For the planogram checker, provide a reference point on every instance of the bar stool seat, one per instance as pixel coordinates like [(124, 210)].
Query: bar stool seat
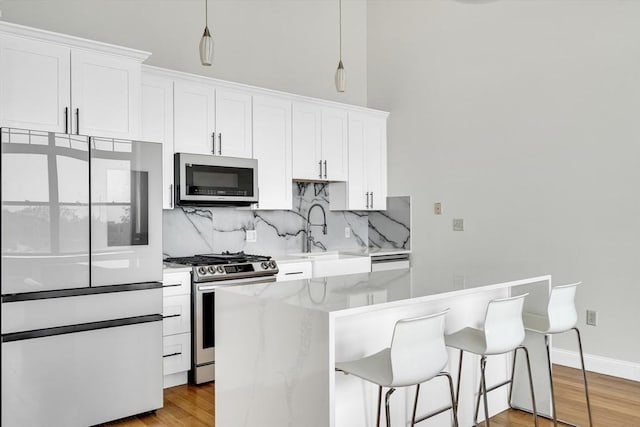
[(502, 332), (561, 317), (417, 354)]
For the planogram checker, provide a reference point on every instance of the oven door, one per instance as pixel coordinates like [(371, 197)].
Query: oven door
[(211, 180), (204, 352)]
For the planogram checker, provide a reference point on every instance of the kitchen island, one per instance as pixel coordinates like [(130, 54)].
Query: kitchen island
[(277, 343)]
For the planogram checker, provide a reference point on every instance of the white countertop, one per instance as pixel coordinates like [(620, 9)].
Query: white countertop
[(168, 267), (345, 295)]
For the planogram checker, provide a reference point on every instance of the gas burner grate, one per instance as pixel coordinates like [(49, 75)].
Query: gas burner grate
[(214, 259)]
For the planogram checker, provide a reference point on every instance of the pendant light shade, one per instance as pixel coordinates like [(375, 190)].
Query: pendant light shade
[(340, 75), (206, 42)]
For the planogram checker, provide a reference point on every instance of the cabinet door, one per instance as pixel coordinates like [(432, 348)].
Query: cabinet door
[(233, 124), (35, 84), (272, 148), (105, 95), (194, 118), (334, 144), (357, 191), (157, 126), (307, 142), (376, 162)]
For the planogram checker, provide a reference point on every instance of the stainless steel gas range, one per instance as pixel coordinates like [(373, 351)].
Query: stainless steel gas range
[(211, 272)]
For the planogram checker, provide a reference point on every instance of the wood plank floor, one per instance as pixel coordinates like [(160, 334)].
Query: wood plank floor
[(615, 403)]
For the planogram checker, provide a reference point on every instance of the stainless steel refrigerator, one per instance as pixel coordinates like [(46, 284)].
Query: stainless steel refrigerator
[(81, 278)]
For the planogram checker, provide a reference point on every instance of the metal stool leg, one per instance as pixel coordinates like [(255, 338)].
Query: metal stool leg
[(454, 403), (459, 374), (483, 366), (584, 377), (513, 372), (554, 414), (386, 405), (415, 406), (533, 396), (379, 405), (475, 414)]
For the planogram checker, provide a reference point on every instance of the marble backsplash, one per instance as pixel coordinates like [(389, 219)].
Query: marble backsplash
[(201, 230)]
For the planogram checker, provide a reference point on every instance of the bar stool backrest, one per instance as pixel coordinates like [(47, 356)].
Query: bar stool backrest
[(418, 352), (561, 311), (503, 327)]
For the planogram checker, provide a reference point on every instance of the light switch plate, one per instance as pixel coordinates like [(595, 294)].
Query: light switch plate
[(458, 224), (347, 232), (252, 236), (437, 208)]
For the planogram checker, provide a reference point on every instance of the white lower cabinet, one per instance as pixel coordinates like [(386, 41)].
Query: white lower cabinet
[(176, 328)]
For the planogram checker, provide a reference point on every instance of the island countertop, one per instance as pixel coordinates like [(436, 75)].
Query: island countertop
[(359, 293)]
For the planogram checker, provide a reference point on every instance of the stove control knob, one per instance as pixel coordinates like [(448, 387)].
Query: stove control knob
[(272, 263), (264, 265), (220, 269), (202, 270), (211, 270)]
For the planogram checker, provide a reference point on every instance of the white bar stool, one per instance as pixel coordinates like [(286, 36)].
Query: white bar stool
[(416, 355), (561, 317), (503, 332)]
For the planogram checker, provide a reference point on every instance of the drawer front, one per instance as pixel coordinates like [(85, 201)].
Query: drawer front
[(176, 284), (176, 315), (176, 354), (294, 271)]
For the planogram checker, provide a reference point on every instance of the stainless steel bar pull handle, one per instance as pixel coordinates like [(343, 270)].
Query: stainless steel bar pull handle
[(371, 204), (213, 143), (77, 121), (320, 164), (220, 143), (325, 169), (66, 119), (367, 195), (171, 195)]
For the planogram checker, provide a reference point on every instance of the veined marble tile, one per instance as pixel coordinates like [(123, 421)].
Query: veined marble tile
[(190, 230), (391, 229)]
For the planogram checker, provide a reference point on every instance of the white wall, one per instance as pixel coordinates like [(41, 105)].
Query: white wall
[(288, 45), (522, 118)]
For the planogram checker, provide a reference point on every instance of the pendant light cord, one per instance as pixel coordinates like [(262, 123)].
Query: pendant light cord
[(340, 6), (206, 13)]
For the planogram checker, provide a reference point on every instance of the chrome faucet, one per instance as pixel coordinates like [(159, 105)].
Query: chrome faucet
[(308, 240)]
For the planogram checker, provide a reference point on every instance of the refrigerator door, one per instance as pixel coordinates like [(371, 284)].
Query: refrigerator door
[(45, 211), (83, 378), (126, 212)]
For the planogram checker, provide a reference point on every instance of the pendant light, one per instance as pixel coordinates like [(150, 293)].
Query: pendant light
[(340, 76), (206, 42)]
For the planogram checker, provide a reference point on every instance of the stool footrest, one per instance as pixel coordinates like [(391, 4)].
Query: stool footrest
[(498, 385), (434, 413)]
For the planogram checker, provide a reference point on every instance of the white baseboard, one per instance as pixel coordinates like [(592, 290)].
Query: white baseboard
[(599, 364)]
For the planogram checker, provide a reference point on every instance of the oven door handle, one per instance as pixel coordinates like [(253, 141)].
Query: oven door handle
[(235, 282)]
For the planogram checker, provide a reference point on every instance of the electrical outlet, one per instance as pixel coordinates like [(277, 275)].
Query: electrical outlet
[(347, 232), (252, 236), (592, 318), (437, 208), (458, 224)]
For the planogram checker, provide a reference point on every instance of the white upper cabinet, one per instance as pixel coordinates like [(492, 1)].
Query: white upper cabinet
[(35, 85), (272, 149), (319, 143), (211, 120), (157, 125), (366, 186), (194, 115), (105, 95), (233, 123), (307, 141), (334, 144), (57, 83)]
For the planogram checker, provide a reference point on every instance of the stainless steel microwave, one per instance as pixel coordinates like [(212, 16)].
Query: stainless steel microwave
[(207, 180)]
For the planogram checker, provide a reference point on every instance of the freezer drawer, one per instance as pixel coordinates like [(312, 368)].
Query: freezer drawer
[(83, 378)]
